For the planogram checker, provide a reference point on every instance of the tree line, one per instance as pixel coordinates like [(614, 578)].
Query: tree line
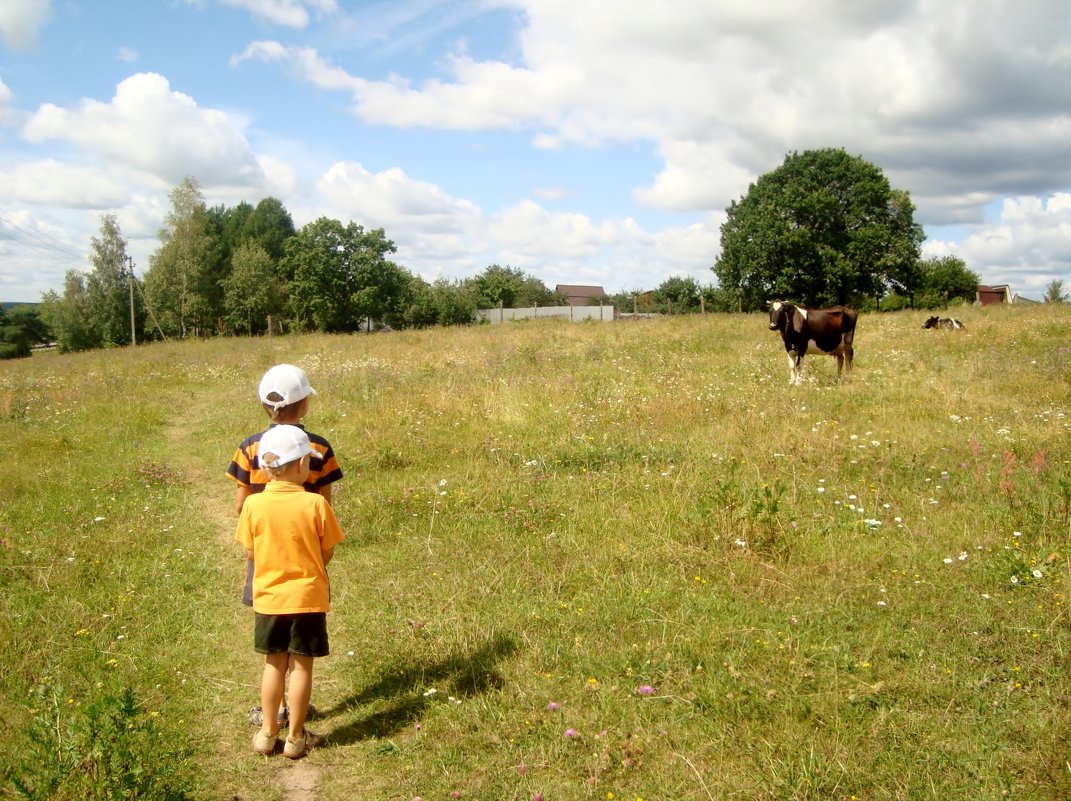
[(238, 270), (823, 228)]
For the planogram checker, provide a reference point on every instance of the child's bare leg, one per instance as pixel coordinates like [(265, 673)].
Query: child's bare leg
[(271, 691), (300, 693)]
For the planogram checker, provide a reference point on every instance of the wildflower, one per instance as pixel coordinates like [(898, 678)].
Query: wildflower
[(1014, 579), (1036, 573), (570, 734), (963, 556), (554, 706), (430, 692), (948, 560), (645, 689)]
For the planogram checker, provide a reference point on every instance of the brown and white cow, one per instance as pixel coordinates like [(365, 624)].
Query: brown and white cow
[(950, 323), (832, 330)]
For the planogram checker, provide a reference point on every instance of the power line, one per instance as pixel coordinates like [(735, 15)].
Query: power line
[(44, 239)]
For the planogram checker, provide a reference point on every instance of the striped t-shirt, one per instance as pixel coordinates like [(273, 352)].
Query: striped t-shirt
[(245, 466)]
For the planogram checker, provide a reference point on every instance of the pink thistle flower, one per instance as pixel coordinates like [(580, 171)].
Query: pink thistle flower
[(645, 689), (553, 706), (570, 734)]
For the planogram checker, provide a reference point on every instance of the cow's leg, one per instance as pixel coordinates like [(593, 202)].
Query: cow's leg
[(840, 363), (792, 368), (849, 354)]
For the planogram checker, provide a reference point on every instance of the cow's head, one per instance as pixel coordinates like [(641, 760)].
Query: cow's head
[(780, 312), (931, 322)]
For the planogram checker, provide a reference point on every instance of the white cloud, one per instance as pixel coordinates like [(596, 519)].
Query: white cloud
[(394, 201), (1030, 241), (20, 21), (939, 94), (128, 55), (51, 182), (6, 96), (963, 103), (289, 13), (151, 128)]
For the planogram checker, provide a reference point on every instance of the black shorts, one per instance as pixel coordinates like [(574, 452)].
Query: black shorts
[(302, 634)]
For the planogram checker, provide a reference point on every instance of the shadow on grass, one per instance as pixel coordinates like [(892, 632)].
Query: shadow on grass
[(461, 675)]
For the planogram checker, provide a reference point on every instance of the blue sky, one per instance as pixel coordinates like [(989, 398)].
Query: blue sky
[(583, 142)]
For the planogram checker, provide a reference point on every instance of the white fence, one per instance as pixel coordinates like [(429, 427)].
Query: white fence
[(603, 314)]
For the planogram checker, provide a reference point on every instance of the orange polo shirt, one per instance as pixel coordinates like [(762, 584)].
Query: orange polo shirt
[(288, 529)]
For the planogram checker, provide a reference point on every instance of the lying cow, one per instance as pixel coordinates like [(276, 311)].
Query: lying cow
[(945, 322), (832, 330)]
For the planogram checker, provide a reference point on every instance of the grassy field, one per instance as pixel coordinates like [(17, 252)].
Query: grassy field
[(587, 561)]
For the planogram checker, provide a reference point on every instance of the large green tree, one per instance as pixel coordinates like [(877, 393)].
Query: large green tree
[(944, 280), (512, 288), (184, 283), (1054, 292), (108, 287), (823, 228), (269, 225), (67, 315), (678, 295), (21, 327), (253, 290), (340, 277)]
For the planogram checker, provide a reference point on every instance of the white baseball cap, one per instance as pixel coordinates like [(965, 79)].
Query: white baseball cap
[(287, 444), (288, 383)]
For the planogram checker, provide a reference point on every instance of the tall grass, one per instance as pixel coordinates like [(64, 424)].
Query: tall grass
[(583, 561)]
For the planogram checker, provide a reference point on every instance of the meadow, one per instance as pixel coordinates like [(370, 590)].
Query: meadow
[(583, 561)]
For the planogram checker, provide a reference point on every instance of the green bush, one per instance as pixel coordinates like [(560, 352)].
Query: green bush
[(102, 748)]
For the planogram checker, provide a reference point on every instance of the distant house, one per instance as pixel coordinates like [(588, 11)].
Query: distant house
[(576, 295), (992, 295)]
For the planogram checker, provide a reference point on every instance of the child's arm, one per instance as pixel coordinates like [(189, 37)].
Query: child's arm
[(328, 554), (325, 492), (240, 494)]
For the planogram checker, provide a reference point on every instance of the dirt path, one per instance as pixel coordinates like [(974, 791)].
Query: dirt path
[(298, 780)]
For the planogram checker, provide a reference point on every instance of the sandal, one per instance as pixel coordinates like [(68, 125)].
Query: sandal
[(264, 743), (299, 747)]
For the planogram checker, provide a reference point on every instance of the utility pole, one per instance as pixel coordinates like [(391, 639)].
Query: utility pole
[(130, 284)]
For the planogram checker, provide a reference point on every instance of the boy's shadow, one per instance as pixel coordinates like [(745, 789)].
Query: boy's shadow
[(459, 675)]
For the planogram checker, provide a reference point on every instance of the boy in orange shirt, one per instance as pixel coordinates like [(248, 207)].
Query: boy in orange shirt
[(290, 535), (284, 393)]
